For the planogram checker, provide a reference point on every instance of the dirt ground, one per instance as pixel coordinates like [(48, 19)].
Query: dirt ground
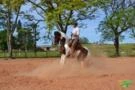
[(101, 73)]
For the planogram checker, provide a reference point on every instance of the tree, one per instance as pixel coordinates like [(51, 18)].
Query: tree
[(27, 35), (60, 14), (132, 14), (84, 40), (11, 11), (132, 33), (117, 21), (2, 18), (3, 41), (35, 33)]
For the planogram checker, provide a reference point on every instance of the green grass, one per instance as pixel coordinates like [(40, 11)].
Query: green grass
[(96, 50), (109, 50), (31, 54), (125, 84)]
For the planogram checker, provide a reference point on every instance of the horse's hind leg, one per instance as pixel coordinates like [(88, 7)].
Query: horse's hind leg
[(82, 57)]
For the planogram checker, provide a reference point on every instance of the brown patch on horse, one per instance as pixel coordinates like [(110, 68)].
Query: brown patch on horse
[(70, 42), (57, 40), (83, 53), (62, 48), (57, 37), (75, 45)]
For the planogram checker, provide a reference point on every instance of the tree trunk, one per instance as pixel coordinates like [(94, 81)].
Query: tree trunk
[(116, 45), (26, 42), (9, 43), (9, 33), (35, 32)]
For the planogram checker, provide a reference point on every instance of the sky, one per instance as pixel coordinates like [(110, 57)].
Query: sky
[(90, 31)]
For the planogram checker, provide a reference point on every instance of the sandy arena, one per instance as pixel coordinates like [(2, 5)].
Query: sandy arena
[(101, 73)]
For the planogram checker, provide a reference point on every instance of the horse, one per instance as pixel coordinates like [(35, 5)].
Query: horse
[(65, 48)]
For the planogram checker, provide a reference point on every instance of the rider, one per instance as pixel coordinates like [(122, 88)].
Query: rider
[(75, 37), (75, 31)]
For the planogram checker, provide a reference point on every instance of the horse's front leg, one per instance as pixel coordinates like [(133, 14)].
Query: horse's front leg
[(65, 55), (63, 58)]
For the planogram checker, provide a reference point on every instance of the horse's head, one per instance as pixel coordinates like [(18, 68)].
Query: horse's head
[(57, 37)]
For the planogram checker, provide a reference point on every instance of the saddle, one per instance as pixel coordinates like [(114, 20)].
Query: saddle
[(74, 44)]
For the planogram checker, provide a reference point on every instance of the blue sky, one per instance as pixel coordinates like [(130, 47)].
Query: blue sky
[(88, 32)]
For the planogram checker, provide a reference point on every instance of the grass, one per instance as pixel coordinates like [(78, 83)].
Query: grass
[(109, 50), (124, 84), (31, 54), (96, 50)]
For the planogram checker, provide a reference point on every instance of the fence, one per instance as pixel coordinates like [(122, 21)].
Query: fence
[(30, 54)]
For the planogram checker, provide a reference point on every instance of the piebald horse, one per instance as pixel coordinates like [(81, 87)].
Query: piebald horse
[(65, 48)]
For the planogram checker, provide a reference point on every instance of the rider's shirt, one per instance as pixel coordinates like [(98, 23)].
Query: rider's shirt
[(75, 32)]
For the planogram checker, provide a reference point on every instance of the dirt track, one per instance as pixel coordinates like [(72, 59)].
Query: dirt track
[(46, 74)]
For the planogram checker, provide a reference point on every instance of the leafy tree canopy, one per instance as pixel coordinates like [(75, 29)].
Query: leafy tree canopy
[(61, 13)]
